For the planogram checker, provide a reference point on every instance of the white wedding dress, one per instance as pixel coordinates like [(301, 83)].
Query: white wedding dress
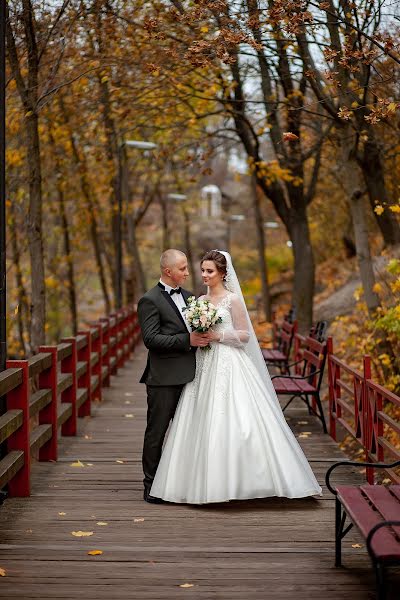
[(229, 438)]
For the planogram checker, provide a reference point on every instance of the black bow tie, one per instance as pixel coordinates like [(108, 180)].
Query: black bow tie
[(175, 291)]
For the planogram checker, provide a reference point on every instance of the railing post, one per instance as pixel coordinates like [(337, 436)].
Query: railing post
[(106, 342), (120, 339), (97, 346), (68, 365), (84, 355), (18, 398), (331, 384), (368, 419), (113, 348), (48, 414)]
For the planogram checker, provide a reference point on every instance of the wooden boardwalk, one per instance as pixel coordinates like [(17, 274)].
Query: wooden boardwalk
[(264, 549)]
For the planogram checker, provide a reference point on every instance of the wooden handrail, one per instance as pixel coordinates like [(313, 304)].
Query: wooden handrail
[(364, 403), (75, 370)]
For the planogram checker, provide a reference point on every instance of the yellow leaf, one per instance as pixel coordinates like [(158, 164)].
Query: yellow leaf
[(138, 520), (101, 523), (392, 107), (120, 462), (378, 289), (82, 533), (379, 209), (78, 463), (62, 514), (204, 29), (356, 545), (2, 573), (89, 464), (95, 552), (129, 416), (186, 585), (395, 208)]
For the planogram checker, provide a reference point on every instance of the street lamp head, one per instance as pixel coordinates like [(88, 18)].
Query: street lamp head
[(140, 145), (177, 197)]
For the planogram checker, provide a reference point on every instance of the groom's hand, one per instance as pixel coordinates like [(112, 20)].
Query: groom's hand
[(198, 339)]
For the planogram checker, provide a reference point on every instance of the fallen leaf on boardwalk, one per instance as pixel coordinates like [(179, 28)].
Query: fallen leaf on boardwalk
[(92, 516), (29, 531), (356, 545), (2, 573), (120, 462), (101, 523), (386, 480), (128, 394), (138, 520), (302, 422), (129, 416), (62, 514), (78, 463), (88, 437), (127, 402), (186, 585), (95, 552), (89, 464), (82, 533)]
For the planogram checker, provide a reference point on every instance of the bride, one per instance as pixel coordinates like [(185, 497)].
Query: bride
[(229, 439)]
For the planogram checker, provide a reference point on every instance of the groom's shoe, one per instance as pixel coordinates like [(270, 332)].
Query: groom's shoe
[(152, 499)]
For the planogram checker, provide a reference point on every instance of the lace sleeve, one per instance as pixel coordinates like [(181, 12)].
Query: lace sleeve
[(239, 335)]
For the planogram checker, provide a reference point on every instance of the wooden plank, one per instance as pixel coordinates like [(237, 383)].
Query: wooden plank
[(9, 423), (9, 379), (81, 341), (81, 368), (64, 350), (94, 358), (64, 412), (39, 400), (10, 465), (39, 363), (94, 382), (39, 436), (64, 381), (81, 395)]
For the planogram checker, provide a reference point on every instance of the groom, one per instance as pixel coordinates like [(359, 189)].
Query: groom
[(171, 359)]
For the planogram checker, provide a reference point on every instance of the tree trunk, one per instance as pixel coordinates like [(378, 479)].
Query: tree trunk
[(70, 263), (188, 246), (261, 246), (22, 298), (34, 231), (372, 168), (353, 187), (135, 269), (304, 269), (166, 241)]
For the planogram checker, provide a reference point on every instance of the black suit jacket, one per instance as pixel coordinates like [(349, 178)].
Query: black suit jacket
[(171, 360)]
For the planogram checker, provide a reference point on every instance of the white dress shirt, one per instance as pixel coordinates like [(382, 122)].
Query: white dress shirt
[(179, 300)]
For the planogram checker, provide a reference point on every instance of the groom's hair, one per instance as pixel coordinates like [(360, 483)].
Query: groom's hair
[(169, 257)]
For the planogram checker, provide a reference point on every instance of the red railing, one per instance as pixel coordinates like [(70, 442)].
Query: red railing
[(50, 390), (361, 406)]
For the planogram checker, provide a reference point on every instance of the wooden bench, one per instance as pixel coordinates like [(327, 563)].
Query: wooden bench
[(308, 383), (279, 355), (375, 510)]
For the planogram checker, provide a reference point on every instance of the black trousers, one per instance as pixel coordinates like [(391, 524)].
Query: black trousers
[(161, 406)]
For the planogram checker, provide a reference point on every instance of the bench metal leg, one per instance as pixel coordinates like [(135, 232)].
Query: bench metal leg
[(340, 531), (321, 412), (380, 581)]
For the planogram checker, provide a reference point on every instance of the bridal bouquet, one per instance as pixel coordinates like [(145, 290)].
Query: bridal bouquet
[(201, 316)]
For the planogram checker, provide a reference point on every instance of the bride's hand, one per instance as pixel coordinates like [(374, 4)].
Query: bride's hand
[(213, 336)]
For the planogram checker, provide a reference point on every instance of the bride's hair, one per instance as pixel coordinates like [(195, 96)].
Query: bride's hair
[(218, 259)]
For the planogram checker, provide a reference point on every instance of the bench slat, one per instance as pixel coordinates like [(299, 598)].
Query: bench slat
[(387, 504), (384, 544)]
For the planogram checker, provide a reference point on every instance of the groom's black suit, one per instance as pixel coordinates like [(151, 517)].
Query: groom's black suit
[(170, 364)]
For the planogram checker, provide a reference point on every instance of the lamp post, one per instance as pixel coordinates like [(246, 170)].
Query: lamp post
[(122, 190)]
